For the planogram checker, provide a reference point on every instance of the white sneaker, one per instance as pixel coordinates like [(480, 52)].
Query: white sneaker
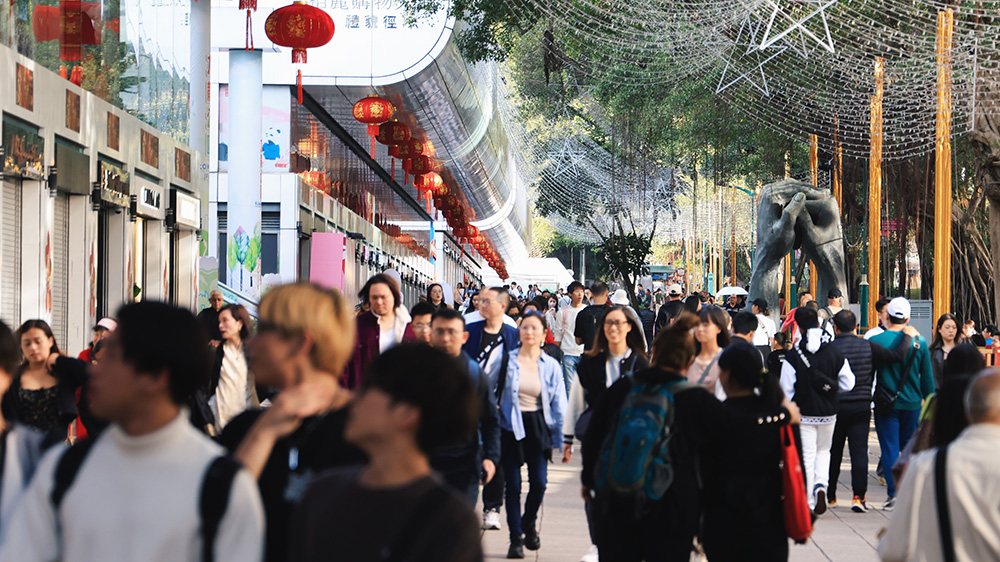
[(591, 555), (491, 520)]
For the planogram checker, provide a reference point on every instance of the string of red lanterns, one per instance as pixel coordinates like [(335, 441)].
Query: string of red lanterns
[(416, 155)]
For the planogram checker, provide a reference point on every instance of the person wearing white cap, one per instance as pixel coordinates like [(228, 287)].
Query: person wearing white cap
[(901, 389), (102, 330), (671, 309)]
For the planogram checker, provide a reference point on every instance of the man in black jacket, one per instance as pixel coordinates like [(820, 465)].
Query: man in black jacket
[(670, 310), (460, 465), (854, 416)]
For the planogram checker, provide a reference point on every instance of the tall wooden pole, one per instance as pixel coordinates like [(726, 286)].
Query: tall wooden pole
[(875, 192), (942, 168), (814, 178)]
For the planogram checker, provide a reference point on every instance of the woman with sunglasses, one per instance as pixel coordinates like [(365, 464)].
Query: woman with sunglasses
[(532, 406), (618, 351)]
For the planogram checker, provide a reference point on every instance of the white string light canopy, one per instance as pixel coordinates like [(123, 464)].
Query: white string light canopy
[(800, 67)]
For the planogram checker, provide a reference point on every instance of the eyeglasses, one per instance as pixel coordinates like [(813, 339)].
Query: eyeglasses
[(420, 327), (615, 323), (486, 302)]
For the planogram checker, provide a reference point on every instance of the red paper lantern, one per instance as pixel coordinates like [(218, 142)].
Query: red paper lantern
[(449, 202), (374, 111), (393, 132), (430, 182), (420, 165), (299, 26)]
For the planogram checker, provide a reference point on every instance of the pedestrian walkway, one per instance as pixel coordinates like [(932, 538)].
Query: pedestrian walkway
[(840, 534)]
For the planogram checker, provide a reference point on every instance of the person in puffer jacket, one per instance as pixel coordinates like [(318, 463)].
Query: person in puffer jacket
[(812, 373)]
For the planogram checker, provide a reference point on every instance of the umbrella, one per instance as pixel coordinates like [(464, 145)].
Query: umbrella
[(726, 291)]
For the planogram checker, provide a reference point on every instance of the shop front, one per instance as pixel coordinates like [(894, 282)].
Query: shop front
[(23, 157), (69, 185), (183, 223), (111, 198), (151, 244)]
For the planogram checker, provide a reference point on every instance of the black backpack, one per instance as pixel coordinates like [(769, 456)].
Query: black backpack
[(212, 502), (816, 391)]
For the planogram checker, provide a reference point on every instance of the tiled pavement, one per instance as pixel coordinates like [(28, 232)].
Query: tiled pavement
[(840, 534)]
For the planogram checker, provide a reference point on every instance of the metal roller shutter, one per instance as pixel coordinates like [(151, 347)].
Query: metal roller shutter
[(10, 255), (60, 270)]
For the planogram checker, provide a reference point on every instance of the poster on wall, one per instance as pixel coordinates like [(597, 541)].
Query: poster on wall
[(150, 148), (73, 111), (275, 130), (24, 149), (25, 93), (114, 130)]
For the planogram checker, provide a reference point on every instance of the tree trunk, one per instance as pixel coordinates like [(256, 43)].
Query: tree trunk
[(985, 143)]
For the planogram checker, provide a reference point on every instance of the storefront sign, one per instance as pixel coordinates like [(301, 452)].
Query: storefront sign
[(149, 198), (113, 186), (72, 170), (23, 149), (187, 211)]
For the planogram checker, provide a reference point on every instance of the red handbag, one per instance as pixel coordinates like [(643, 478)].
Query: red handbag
[(798, 516)]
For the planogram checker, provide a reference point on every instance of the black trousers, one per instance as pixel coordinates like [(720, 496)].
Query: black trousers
[(493, 491), (853, 424)]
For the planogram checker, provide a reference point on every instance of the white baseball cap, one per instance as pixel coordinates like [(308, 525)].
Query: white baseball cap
[(107, 323), (676, 290), (898, 308), (620, 297)]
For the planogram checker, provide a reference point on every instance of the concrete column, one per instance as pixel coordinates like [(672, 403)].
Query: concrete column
[(243, 234)]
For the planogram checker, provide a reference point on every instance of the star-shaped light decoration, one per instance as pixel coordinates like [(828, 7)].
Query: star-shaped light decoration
[(746, 51), (798, 14)]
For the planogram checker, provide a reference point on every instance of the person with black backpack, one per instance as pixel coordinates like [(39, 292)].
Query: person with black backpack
[(812, 374), (618, 352), (642, 450), (150, 487)]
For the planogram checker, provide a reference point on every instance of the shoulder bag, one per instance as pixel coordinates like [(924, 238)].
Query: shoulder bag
[(885, 400)]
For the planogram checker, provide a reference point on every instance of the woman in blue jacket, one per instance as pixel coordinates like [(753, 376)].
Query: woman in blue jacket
[(532, 406)]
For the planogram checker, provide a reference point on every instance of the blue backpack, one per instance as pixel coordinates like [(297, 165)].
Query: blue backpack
[(634, 468)]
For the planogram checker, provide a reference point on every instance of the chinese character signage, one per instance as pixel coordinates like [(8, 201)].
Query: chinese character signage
[(23, 149)]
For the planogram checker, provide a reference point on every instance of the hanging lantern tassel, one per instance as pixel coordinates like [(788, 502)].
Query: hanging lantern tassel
[(249, 45), (393, 169), (248, 4), (298, 85)]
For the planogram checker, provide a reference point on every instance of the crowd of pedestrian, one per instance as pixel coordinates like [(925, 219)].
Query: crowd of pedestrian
[(225, 437)]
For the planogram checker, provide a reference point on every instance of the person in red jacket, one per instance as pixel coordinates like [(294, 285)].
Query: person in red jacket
[(383, 326)]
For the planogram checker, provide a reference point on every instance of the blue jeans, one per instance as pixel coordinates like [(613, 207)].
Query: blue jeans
[(534, 457), (894, 431), (569, 364)]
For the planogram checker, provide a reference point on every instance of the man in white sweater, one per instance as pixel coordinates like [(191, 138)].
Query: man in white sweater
[(136, 494)]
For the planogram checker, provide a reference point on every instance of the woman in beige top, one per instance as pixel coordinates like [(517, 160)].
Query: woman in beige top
[(711, 335)]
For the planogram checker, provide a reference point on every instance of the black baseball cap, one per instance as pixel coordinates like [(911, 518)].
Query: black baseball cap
[(834, 293)]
